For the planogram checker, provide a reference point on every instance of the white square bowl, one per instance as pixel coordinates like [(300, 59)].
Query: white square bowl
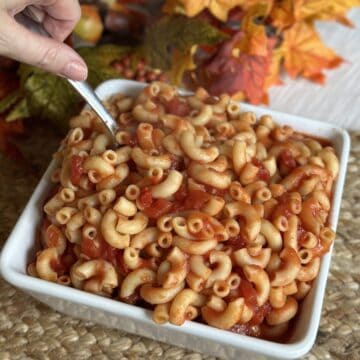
[(20, 249)]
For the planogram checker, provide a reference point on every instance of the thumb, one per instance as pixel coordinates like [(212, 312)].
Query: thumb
[(21, 44)]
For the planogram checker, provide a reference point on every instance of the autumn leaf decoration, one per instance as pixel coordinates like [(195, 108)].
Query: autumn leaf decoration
[(171, 43), (305, 54), (239, 47), (266, 37)]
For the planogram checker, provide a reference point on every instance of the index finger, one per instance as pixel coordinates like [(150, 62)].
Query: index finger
[(61, 17)]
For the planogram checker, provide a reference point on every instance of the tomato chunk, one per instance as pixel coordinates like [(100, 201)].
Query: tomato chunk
[(259, 314), (249, 293), (58, 266), (196, 199), (181, 194), (52, 236), (158, 208), (177, 107), (145, 197), (236, 242), (263, 173), (287, 159), (76, 169), (132, 140), (94, 249)]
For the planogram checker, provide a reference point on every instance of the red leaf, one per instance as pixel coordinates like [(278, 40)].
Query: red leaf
[(243, 73)]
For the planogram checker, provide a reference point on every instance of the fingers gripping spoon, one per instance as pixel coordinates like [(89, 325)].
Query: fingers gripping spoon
[(82, 87)]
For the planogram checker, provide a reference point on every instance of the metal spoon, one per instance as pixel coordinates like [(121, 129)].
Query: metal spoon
[(82, 87), (85, 90)]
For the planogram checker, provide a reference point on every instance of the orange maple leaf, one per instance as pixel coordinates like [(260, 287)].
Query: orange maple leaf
[(254, 41), (273, 77), (311, 10), (219, 8), (305, 54), (268, 4), (285, 13)]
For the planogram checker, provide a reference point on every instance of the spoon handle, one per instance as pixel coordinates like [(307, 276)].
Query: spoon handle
[(84, 89)]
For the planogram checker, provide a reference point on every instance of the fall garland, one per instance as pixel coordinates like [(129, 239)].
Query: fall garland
[(264, 38)]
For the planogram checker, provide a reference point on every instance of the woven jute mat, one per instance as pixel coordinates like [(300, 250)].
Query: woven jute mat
[(30, 330)]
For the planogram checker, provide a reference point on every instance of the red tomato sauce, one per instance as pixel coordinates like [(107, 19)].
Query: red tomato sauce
[(181, 194), (184, 200), (145, 198), (100, 249), (52, 236), (237, 242), (158, 208), (287, 160), (132, 140), (196, 199), (120, 263), (248, 292), (58, 266), (69, 258), (76, 169), (259, 314), (177, 107), (263, 173), (87, 132), (94, 249)]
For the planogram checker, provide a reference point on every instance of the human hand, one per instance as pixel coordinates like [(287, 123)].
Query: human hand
[(57, 18)]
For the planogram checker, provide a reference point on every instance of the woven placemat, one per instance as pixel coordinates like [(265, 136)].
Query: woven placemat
[(30, 330)]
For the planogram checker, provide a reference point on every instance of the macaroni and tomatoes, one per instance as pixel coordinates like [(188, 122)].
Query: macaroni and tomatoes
[(200, 211)]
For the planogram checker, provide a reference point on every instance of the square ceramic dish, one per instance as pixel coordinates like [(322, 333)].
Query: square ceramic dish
[(19, 249)]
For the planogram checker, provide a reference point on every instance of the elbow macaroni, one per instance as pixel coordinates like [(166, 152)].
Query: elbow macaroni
[(197, 215)]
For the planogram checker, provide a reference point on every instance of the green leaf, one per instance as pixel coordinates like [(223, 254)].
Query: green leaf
[(20, 111), (52, 98), (99, 61), (177, 32), (8, 101), (24, 72)]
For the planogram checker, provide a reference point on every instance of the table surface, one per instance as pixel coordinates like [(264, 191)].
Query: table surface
[(30, 330)]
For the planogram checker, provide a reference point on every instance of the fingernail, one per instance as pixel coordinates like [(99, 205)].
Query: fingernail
[(75, 70)]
